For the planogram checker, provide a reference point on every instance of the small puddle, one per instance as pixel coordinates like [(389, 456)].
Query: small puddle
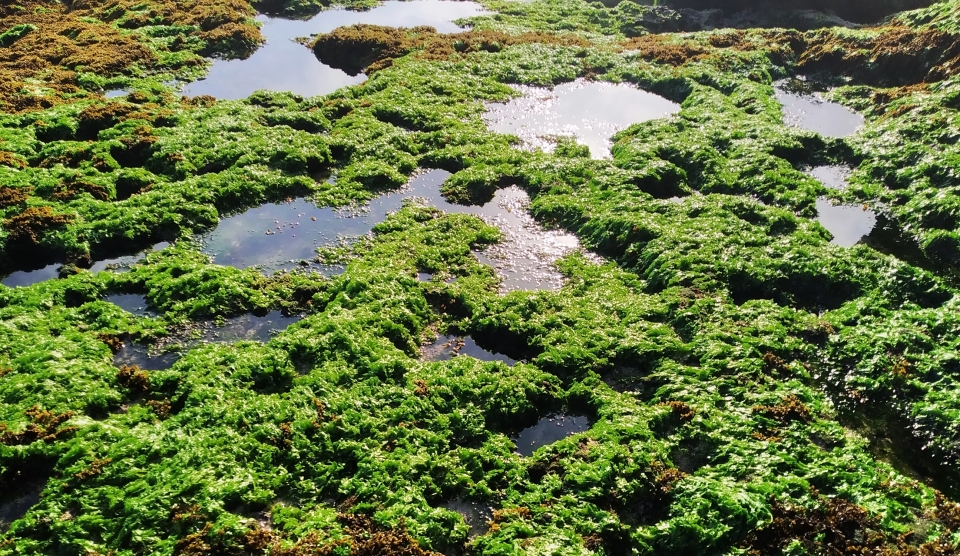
[(278, 236), (124, 261), (17, 508), (590, 111), (445, 348), (811, 112), (23, 278), (548, 430), (834, 177), (476, 515), (250, 327), (848, 223), (140, 355), (133, 303), (285, 65), (243, 327)]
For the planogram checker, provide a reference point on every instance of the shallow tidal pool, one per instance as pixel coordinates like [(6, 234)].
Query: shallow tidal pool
[(810, 111), (282, 64), (589, 111), (282, 236)]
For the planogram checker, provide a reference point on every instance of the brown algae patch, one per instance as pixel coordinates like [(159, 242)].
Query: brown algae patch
[(888, 56), (53, 44)]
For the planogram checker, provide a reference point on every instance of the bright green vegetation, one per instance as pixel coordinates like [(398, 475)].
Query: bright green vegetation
[(752, 388)]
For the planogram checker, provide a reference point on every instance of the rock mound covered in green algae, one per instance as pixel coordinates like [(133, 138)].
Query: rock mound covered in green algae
[(749, 386)]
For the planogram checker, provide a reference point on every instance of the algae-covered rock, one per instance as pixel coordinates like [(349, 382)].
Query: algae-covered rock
[(740, 383)]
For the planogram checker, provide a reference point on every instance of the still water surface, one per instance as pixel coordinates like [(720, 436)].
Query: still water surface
[(849, 224), (810, 111), (445, 348), (279, 236), (548, 430), (590, 111), (285, 65)]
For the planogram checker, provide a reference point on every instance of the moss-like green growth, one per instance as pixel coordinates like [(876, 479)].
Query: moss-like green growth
[(749, 387)]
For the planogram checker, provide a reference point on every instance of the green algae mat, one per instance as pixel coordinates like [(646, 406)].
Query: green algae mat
[(716, 374)]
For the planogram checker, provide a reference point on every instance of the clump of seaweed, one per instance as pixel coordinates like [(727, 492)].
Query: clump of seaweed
[(789, 410), (133, 378), (833, 526), (28, 226), (891, 56), (54, 43), (70, 189), (13, 196), (12, 160), (45, 427)]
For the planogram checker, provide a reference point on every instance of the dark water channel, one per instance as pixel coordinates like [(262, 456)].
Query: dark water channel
[(590, 111), (23, 278), (445, 348), (280, 236), (548, 430), (17, 508), (124, 262), (29, 277), (285, 65)]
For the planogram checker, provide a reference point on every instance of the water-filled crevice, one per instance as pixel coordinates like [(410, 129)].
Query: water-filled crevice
[(548, 430)]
